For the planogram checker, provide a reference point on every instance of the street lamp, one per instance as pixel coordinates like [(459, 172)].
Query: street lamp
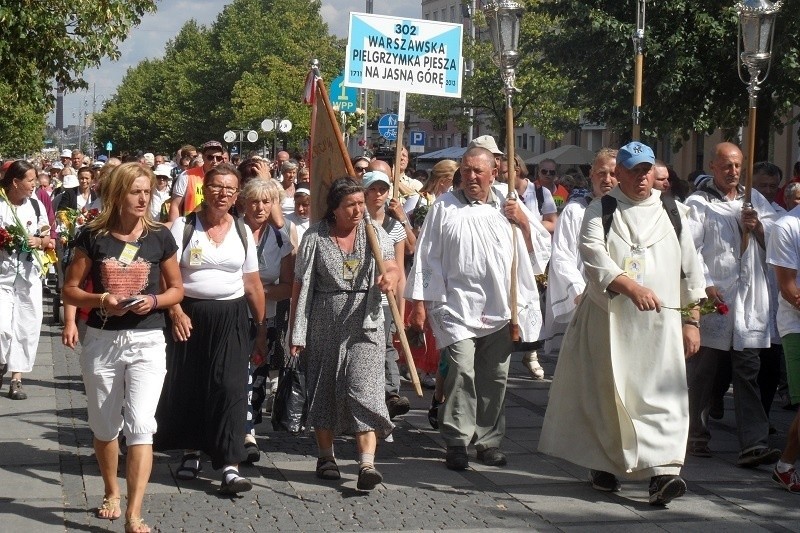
[(503, 18), (756, 29)]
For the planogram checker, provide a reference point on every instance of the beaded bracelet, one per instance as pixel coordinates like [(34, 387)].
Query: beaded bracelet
[(155, 302), (103, 301)]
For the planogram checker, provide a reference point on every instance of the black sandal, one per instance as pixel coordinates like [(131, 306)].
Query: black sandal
[(187, 472), (328, 469), (433, 413)]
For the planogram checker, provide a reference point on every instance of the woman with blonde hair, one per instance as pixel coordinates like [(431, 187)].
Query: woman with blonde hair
[(123, 360), (439, 182)]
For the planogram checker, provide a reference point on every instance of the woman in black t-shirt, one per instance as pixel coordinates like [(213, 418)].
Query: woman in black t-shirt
[(124, 355)]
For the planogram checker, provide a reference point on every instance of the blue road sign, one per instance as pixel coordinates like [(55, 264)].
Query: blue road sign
[(109, 146), (387, 126), (342, 97), (416, 141)]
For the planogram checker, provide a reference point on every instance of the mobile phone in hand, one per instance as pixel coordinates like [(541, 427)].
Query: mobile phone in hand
[(130, 302)]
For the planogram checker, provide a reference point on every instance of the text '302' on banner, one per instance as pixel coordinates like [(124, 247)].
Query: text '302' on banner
[(394, 54)]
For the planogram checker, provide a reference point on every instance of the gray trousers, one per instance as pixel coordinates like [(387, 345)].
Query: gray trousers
[(751, 422), (391, 372), (475, 391)]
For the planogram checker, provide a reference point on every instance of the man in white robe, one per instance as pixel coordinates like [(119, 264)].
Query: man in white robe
[(460, 279), (618, 404), (566, 280), (737, 279)]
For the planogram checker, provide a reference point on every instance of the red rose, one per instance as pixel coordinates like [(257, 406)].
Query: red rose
[(722, 308)]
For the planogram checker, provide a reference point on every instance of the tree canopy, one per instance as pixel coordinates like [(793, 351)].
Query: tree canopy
[(42, 43), (250, 64), (690, 74)]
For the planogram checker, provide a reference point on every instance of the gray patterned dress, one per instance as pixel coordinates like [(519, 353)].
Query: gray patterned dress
[(344, 360)]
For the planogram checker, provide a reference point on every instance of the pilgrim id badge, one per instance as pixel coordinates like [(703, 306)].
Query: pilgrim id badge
[(195, 256), (128, 253), (350, 266), (634, 265)]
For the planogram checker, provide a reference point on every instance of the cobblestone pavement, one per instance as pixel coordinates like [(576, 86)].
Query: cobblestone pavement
[(49, 480)]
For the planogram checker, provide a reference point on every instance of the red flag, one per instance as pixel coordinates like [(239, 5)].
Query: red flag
[(309, 92)]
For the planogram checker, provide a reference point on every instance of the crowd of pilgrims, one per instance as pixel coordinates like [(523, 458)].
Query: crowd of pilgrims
[(190, 284)]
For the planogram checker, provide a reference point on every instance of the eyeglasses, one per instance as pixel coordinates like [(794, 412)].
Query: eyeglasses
[(361, 169), (546, 172), (216, 189), (217, 158)]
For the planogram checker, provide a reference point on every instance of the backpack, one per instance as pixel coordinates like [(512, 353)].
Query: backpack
[(705, 187), (609, 204), (539, 196), (191, 224)]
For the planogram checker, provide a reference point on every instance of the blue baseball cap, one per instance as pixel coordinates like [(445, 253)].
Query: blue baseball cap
[(634, 153)]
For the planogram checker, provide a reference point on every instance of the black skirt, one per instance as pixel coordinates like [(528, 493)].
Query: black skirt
[(203, 404)]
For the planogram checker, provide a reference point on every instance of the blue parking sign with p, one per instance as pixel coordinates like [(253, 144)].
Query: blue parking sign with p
[(416, 141)]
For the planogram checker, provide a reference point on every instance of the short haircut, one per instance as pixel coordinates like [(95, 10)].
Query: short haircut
[(770, 169), (604, 154), (223, 169), (479, 150), (257, 189)]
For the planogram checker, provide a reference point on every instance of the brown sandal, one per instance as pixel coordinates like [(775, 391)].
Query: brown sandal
[(110, 505), (135, 524)]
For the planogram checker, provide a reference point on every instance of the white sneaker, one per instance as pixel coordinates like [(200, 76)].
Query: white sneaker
[(531, 362)]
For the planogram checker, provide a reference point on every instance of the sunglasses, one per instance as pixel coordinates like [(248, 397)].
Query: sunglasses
[(217, 158), (361, 169), (547, 172)]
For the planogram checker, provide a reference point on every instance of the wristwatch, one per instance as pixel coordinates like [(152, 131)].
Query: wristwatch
[(691, 322)]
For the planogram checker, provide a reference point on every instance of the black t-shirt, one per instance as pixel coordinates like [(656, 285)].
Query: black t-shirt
[(141, 274)]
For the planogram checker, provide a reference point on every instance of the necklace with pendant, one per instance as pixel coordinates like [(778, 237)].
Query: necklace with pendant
[(350, 261)]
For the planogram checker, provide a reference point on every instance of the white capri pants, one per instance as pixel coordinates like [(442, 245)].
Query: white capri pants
[(20, 323), (123, 372)]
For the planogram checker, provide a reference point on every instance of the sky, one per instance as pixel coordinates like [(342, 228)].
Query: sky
[(147, 41)]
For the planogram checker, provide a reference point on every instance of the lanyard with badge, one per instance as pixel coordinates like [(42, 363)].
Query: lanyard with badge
[(196, 254), (634, 264), (128, 254)]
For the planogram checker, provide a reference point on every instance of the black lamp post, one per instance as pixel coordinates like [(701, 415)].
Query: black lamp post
[(503, 18)]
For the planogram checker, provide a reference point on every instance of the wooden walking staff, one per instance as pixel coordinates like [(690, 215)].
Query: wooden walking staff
[(512, 194), (375, 246), (748, 177), (398, 149), (638, 45)]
